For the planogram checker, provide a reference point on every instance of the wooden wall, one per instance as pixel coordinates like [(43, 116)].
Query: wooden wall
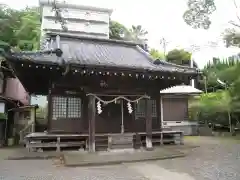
[(175, 108), (109, 121)]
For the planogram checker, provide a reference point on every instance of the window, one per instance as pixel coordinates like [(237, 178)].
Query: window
[(140, 109), (59, 107), (154, 108), (74, 107), (66, 107)]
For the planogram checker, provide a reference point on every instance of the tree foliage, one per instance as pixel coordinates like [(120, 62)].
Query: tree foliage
[(179, 56), (220, 99), (225, 69), (119, 32), (212, 106), (197, 14), (20, 28), (232, 36), (138, 34), (156, 54)]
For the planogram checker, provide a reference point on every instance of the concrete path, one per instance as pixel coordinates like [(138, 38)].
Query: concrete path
[(155, 172), (118, 157)]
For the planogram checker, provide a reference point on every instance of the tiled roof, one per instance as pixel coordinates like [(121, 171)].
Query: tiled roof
[(106, 53)]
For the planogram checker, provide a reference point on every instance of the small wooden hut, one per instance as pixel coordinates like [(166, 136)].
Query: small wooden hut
[(175, 115)]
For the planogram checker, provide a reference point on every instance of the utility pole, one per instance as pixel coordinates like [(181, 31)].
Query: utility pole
[(164, 43), (205, 84), (193, 48), (229, 114)]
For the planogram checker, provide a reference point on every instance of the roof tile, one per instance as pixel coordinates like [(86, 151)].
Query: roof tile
[(106, 53)]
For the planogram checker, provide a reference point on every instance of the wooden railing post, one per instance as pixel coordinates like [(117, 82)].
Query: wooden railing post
[(58, 144), (21, 136)]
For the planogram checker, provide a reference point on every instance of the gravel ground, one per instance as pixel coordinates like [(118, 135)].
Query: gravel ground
[(215, 161)]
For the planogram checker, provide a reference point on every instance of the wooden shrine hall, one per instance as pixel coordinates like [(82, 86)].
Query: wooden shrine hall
[(99, 90)]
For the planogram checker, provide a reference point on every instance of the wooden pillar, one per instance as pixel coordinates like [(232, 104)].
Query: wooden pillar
[(33, 118), (161, 118), (158, 110), (91, 122), (50, 109), (148, 117)]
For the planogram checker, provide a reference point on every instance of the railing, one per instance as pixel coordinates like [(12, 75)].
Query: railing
[(29, 128)]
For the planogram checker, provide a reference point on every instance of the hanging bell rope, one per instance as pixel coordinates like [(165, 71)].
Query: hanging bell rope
[(118, 97)]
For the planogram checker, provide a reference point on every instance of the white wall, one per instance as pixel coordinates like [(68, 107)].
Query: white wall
[(81, 21)]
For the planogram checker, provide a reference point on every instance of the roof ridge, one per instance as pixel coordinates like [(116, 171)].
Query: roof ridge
[(177, 65), (65, 35), (146, 54), (151, 60)]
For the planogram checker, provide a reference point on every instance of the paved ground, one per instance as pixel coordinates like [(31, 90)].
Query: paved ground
[(215, 160)]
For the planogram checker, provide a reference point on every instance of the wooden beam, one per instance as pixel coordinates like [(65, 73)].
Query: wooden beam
[(148, 113), (91, 121)]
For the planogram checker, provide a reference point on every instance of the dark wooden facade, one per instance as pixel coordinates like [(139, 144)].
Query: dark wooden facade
[(99, 69), (109, 121)]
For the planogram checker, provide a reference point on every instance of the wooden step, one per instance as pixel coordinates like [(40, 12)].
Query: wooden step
[(120, 141), (122, 146)]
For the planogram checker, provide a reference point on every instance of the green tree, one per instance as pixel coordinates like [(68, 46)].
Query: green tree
[(223, 103), (20, 28), (135, 33), (198, 16), (28, 33), (118, 31), (215, 107), (198, 12), (232, 36), (9, 22), (224, 69), (179, 56), (156, 54), (138, 34)]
